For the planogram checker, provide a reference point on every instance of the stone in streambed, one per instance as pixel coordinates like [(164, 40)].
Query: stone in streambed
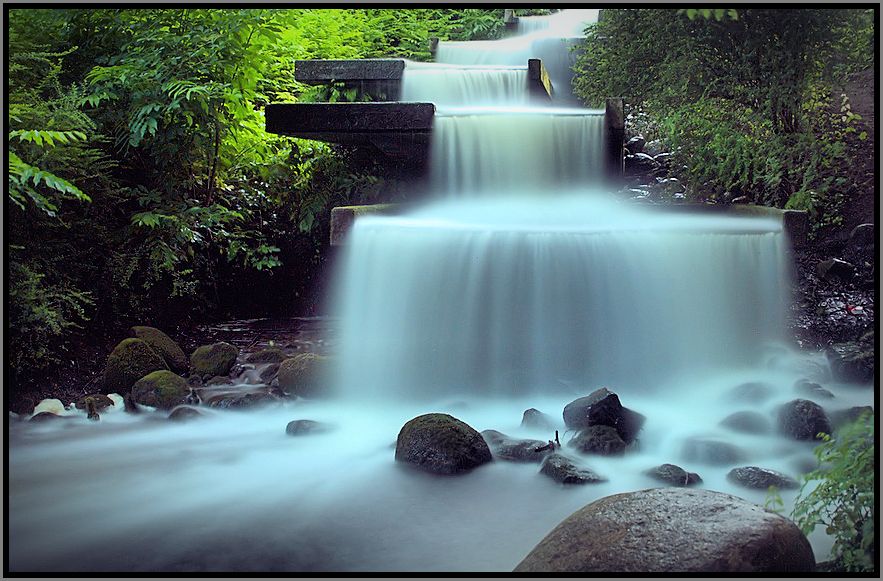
[(129, 361), (441, 444), (537, 420), (304, 375), (268, 355), (747, 422), (164, 346), (213, 360), (673, 475), (603, 408), (562, 469), (185, 413), (802, 419), (514, 449), (761, 478), (603, 440), (711, 451), (303, 427), (161, 389)]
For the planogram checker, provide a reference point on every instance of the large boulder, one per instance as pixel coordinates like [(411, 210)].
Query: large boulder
[(165, 347), (851, 362), (803, 420), (761, 478), (304, 375), (602, 440), (603, 408), (671, 530), (129, 361), (441, 444), (562, 469), (161, 389), (211, 360)]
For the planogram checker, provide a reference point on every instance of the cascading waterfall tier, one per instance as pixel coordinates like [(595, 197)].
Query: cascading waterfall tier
[(459, 85), (511, 296)]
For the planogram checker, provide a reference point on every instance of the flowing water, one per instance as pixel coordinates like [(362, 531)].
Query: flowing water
[(523, 286)]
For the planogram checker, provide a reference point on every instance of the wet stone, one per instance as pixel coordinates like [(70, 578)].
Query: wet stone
[(304, 427), (761, 478), (751, 392), (809, 389), (747, 422), (562, 469), (602, 440), (711, 451), (673, 475), (803, 420), (535, 419)]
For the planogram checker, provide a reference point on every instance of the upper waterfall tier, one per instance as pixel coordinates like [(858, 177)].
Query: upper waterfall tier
[(494, 151), (461, 85)]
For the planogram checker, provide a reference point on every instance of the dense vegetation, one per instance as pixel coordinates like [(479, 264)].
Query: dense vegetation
[(142, 185), (749, 99)]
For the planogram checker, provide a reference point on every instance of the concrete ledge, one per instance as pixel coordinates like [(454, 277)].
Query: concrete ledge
[(343, 218), (316, 72), (540, 85), (795, 223), (391, 117)]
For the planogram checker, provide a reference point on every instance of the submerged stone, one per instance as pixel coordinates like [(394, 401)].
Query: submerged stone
[(673, 474), (747, 422), (537, 420), (303, 427), (802, 419), (184, 413), (513, 449), (751, 392), (441, 444), (671, 530), (562, 469), (761, 478), (602, 440), (712, 451)]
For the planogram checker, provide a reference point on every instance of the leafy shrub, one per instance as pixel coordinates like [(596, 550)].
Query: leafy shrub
[(839, 495)]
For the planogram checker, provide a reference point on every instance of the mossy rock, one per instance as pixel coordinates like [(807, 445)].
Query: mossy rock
[(304, 375), (441, 444), (268, 355), (214, 359), (161, 389), (171, 353), (129, 361), (99, 401)]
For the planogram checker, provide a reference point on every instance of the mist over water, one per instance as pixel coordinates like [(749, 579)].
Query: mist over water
[(522, 285)]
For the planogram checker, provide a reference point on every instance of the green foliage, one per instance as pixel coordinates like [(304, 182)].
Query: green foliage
[(742, 97), (839, 495)]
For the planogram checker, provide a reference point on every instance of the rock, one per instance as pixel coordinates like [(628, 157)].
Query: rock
[(639, 164), (671, 530), (129, 361), (269, 355), (803, 420), (863, 235), (834, 268), (43, 416), (184, 413), (212, 360), (441, 444), (242, 400), (602, 440), (851, 362), (670, 186), (602, 407), (711, 451), (809, 389), (842, 417), (562, 469), (161, 389), (171, 353), (513, 449), (537, 420), (747, 422), (674, 475), (99, 400), (751, 392), (268, 374), (761, 478), (653, 147), (219, 380), (303, 427), (635, 144), (23, 406), (304, 375), (130, 405), (51, 405)]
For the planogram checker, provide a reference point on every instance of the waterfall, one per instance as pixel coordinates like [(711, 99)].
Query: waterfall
[(460, 85)]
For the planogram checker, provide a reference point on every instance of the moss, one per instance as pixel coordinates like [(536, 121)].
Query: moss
[(171, 353), (269, 355), (212, 360), (160, 389), (129, 361), (304, 375)]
